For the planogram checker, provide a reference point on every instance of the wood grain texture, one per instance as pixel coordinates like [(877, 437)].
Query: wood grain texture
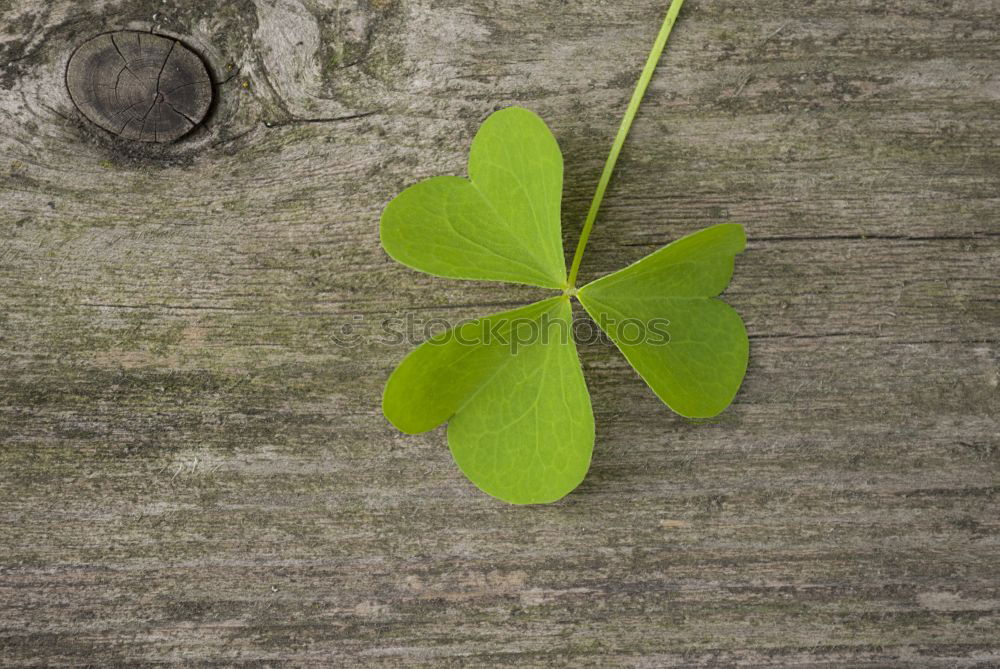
[(194, 472)]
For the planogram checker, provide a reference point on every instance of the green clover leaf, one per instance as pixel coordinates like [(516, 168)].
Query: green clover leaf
[(520, 424), (510, 385), (500, 224), (699, 369)]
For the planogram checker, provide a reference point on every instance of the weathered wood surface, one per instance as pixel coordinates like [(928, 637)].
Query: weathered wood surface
[(194, 474)]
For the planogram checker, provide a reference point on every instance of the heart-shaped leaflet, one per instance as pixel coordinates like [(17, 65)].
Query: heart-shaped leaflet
[(510, 386), (500, 224)]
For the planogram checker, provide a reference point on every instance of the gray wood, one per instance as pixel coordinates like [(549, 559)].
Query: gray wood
[(139, 86), (193, 473)]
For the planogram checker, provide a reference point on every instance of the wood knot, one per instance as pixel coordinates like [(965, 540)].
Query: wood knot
[(139, 86)]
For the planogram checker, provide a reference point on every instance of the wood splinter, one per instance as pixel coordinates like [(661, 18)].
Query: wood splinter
[(139, 86)]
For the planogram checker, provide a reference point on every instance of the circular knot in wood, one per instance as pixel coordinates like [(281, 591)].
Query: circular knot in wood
[(139, 86)]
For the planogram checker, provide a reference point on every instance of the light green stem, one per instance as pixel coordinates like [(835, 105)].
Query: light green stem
[(616, 148)]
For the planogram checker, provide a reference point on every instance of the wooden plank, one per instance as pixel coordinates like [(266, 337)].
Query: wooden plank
[(195, 473)]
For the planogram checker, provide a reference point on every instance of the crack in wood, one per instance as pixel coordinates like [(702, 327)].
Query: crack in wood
[(332, 119)]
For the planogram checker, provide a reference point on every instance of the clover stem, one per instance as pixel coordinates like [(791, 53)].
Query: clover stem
[(633, 107)]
